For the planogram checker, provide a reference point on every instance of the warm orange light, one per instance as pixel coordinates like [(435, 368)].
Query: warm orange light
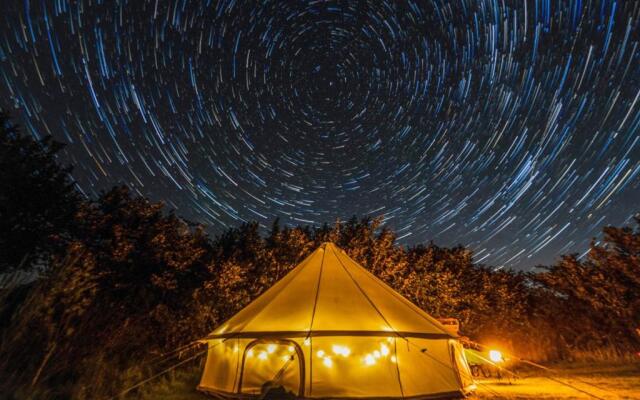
[(320, 353), (250, 353), (384, 350), (271, 348), (327, 362), (394, 359), (495, 356), (263, 355), (291, 349)]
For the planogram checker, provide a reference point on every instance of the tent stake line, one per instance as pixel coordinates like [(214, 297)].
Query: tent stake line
[(159, 374)]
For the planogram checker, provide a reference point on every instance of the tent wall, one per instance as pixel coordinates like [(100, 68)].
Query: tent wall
[(357, 366), (222, 365), (347, 366), (426, 366)]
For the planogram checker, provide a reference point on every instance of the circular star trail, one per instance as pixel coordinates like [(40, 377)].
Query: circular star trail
[(508, 126)]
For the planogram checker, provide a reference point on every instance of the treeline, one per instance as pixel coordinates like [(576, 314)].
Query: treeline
[(114, 283)]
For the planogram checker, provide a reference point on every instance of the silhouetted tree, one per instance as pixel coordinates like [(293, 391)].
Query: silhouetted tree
[(599, 297), (37, 198), (123, 292)]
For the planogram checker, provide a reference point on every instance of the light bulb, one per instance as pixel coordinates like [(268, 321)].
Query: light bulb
[(495, 356), (341, 350), (369, 359)]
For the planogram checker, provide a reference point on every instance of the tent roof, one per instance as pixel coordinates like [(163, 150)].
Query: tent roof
[(329, 294)]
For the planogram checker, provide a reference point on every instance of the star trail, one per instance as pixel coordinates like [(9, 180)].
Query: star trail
[(511, 127)]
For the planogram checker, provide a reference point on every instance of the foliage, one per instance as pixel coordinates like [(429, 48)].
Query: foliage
[(37, 198), (602, 292), (122, 294)]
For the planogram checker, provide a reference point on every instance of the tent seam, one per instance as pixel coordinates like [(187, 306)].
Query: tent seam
[(313, 315), (257, 313), (377, 310), (415, 309)]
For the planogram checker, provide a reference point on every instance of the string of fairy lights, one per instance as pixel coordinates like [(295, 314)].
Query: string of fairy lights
[(267, 351)]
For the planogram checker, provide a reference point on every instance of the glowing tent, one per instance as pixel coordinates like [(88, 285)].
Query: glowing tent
[(331, 329)]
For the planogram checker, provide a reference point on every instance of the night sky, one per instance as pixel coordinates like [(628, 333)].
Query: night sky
[(508, 126)]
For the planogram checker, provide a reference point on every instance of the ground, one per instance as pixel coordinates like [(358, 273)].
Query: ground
[(589, 381), (583, 381)]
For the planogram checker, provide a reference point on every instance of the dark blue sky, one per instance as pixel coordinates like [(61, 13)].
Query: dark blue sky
[(508, 126)]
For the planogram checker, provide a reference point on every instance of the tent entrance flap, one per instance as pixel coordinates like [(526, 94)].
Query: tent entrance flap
[(272, 364)]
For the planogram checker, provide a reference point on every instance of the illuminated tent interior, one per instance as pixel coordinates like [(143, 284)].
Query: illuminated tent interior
[(331, 329)]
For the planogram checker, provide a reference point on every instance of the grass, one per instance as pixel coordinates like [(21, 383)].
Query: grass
[(575, 381), (179, 385), (604, 380)]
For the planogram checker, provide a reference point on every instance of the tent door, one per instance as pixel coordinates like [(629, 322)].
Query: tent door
[(272, 365), (460, 364)]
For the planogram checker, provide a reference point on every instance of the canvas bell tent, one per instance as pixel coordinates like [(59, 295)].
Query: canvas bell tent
[(331, 329)]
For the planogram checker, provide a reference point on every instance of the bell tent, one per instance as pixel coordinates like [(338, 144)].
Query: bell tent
[(331, 329)]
